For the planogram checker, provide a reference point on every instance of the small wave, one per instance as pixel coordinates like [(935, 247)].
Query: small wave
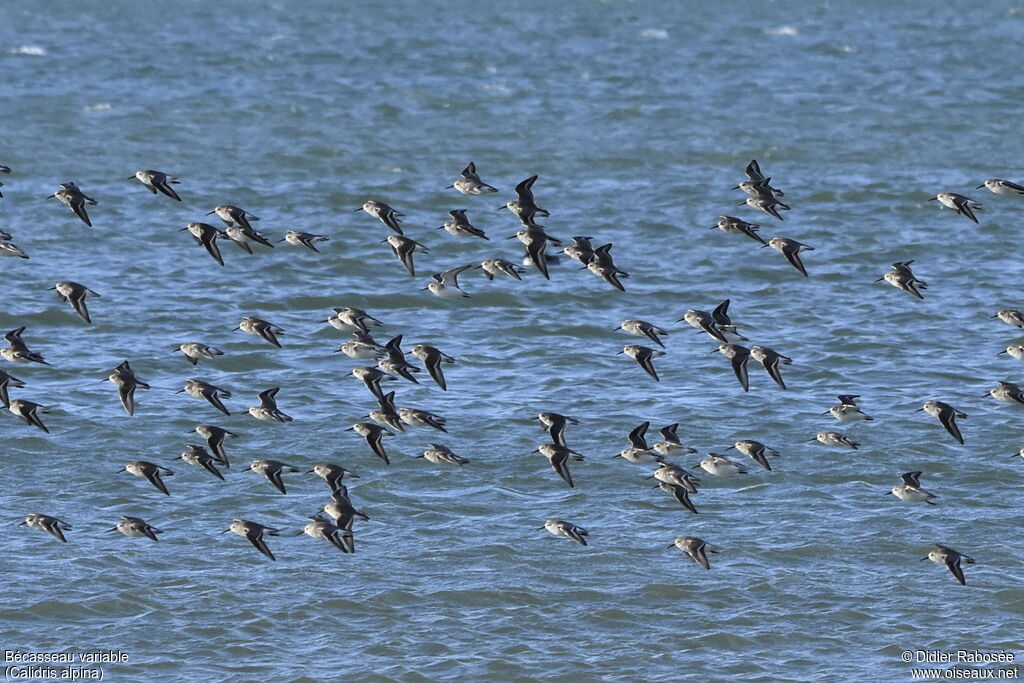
[(33, 50), (782, 31), (658, 33), (102, 106)]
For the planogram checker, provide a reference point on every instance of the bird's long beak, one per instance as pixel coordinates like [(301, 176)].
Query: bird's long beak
[(919, 410), (209, 212), (980, 186), (114, 528), (1001, 352), (880, 279), (931, 199)]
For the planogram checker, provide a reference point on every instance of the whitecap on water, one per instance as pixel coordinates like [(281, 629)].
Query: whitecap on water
[(102, 106), (782, 31), (34, 50), (658, 33)]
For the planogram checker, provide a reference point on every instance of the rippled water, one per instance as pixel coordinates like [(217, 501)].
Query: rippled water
[(638, 117)]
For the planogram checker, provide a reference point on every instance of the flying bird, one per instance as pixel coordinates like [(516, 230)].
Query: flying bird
[(156, 181)]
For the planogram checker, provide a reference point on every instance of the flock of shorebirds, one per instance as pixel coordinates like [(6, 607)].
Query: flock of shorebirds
[(392, 363)]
